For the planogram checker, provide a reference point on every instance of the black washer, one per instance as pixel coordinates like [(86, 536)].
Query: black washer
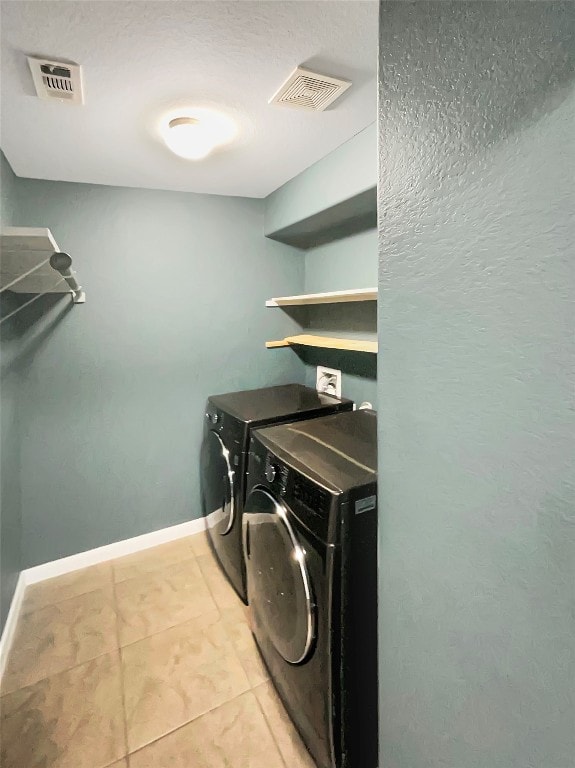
[(229, 420)]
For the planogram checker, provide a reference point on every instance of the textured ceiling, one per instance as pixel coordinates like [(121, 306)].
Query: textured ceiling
[(140, 59)]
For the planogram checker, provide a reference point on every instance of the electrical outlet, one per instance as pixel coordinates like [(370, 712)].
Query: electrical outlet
[(328, 380)]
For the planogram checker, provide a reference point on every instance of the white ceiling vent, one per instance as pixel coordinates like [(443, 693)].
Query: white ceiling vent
[(57, 80), (309, 90)]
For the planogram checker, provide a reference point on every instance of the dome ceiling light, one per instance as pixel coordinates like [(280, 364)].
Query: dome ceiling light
[(195, 134)]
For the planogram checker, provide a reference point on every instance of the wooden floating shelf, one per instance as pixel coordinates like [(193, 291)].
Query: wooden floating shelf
[(325, 342), (332, 297)]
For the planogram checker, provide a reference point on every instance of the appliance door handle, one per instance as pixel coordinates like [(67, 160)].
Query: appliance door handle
[(247, 551), (230, 473)]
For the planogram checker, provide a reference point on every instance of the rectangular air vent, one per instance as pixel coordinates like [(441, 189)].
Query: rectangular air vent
[(309, 90), (57, 80)]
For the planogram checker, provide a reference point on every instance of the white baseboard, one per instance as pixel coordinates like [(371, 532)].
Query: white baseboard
[(11, 621), (111, 551), (83, 560)]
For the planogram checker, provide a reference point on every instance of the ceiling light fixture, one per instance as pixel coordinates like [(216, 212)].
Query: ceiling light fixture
[(194, 135)]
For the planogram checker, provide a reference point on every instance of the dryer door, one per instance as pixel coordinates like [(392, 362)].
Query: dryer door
[(279, 587), (218, 483)]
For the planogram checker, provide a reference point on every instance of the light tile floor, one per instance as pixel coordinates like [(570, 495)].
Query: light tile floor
[(143, 662)]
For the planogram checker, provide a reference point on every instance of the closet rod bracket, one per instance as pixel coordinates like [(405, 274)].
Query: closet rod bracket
[(62, 262)]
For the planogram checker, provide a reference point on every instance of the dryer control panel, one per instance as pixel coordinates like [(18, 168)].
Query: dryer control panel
[(303, 498)]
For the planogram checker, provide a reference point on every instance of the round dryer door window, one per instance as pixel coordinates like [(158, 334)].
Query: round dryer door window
[(218, 483), (279, 587)]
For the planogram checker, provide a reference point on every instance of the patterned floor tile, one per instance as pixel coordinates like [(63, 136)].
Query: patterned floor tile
[(160, 600), (70, 720), (61, 636), (222, 591), (288, 740), (177, 675), (237, 627), (200, 544), (235, 734), (66, 586), (153, 559)]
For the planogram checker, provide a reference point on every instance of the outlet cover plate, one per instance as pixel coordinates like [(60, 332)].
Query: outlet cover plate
[(328, 380)]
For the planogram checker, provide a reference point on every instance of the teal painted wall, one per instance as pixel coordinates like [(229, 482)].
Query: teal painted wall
[(10, 509), (111, 393), (345, 173), (358, 372), (339, 266), (345, 264), (476, 382), (114, 390), (348, 262)]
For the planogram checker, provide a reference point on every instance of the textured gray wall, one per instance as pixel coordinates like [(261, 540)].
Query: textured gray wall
[(10, 512), (339, 266), (114, 390), (477, 536)]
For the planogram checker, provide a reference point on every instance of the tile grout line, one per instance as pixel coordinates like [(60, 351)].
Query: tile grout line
[(126, 645), (155, 571), (193, 720), (233, 648), (177, 624), (121, 671), (167, 629), (207, 583), (245, 666), (252, 687), (110, 587), (66, 669), (220, 616), (59, 602), (269, 725), (226, 630), (172, 626), (193, 556), (60, 672), (139, 640)]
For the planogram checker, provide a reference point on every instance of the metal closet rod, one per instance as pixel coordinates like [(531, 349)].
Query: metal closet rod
[(62, 262), (30, 301)]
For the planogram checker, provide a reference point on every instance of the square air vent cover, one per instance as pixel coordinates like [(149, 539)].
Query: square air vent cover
[(309, 90), (57, 80)]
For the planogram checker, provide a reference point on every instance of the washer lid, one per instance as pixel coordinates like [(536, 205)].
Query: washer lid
[(269, 403), (339, 452)]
